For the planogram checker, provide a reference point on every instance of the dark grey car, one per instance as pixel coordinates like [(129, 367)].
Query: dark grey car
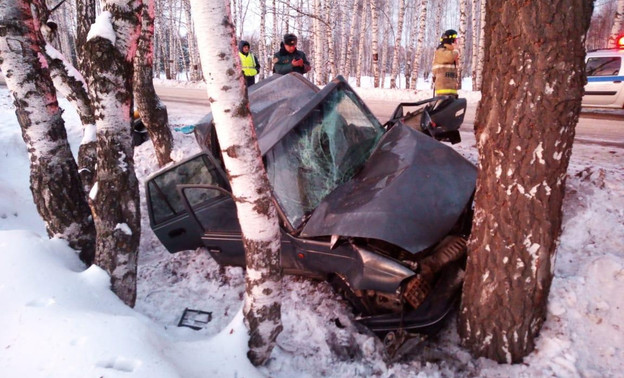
[(380, 211)]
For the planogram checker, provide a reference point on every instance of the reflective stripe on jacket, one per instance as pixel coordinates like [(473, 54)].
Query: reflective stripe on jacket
[(248, 63)]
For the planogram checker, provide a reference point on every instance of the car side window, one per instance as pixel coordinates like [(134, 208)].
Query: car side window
[(603, 66), (163, 195)]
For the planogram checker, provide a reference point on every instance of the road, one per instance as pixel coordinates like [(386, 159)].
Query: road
[(594, 127), (603, 127)]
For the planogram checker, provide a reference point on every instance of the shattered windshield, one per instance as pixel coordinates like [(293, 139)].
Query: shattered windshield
[(323, 151)]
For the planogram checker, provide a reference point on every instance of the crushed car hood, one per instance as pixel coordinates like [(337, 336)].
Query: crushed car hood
[(410, 193)]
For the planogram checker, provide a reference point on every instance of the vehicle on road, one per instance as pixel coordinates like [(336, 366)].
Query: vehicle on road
[(605, 77), (382, 212)]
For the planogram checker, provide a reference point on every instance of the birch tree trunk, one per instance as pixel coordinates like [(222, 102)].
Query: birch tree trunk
[(420, 42), (360, 58), (481, 46), (319, 68), (250, 186), (195, 71), (463, 20), (397, 45), (54, 181), (262, 51), (72, 85), (384, 57), (110, 49), (618, 24), (375, 43), (354, 17), (152, 111), (331, 56), (524, 129), (476, 32), (85, 16), (411, 43)]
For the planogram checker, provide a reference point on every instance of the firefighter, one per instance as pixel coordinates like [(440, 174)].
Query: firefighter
[(445, 61)]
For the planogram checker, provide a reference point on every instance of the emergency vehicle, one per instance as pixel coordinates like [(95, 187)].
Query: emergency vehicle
[(605, 77)]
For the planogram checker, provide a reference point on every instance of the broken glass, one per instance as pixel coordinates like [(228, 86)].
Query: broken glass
[(327, 148)]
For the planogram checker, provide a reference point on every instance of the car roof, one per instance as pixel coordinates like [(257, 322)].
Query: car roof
[(279, 103)]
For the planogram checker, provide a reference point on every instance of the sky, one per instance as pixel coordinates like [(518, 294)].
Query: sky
[(60, 319)]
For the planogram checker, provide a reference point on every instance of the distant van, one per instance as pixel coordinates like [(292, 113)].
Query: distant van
[(605, 78)]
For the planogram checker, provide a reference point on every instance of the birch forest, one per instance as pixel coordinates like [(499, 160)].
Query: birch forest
[(390, 41)]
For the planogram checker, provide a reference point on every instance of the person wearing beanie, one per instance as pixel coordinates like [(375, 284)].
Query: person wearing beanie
[(249, 63), (289, 59), (444, 67)]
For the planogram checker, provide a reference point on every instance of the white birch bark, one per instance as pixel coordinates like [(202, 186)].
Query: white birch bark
[(419, 43), (250, 186), (195, 72), (481, 47), (319, 69), (360, 59), (262, 48), (375, 42), (276, 37), (329, 40), (618, 24), (54, 180), (411, 42), (463, 20), (346, 69), (397, 45), (110, 49), (476, 31)]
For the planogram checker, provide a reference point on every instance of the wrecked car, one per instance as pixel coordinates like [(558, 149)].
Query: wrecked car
[(381, 211)]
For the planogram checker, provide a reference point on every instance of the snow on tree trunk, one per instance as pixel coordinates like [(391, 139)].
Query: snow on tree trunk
[(360, 59), (54, 180), (525, 128), (110, 48), (618, 24), (354, 16), (397, 45), (375, 44), (152, 111), (420, 42), (463, 20), (250, 186)]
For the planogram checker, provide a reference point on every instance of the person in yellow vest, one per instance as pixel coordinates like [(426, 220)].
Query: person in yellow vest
[(444, 67), (249, 63)]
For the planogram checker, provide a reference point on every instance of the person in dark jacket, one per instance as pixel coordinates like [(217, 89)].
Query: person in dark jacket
[(289, 59), (249, 63)]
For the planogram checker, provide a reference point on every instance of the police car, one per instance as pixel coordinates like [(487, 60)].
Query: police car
[(605, 77)]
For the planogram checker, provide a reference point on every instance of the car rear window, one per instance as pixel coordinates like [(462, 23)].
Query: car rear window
[(603, 66)]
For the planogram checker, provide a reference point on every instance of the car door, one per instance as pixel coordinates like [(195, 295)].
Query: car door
[(190, 206), (605, 81)]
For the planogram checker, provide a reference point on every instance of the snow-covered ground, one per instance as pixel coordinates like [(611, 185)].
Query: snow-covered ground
[(61, 320)]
